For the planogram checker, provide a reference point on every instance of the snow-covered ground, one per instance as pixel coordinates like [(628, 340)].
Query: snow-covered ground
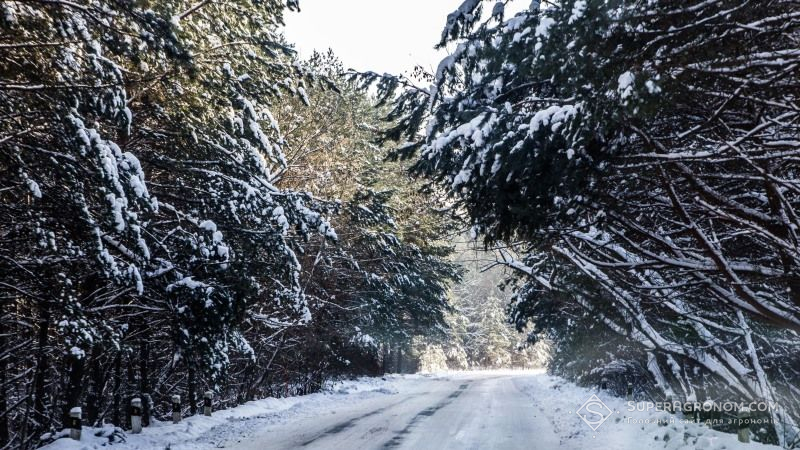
[(462, 410)]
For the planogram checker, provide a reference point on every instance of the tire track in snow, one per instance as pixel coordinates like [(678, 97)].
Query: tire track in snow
[(427, 412), (350, 423)]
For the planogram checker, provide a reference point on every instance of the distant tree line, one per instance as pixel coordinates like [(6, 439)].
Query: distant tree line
[(479, 334)]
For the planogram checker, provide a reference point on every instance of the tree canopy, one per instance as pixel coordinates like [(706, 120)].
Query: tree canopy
[(173, 215), (639, 160)]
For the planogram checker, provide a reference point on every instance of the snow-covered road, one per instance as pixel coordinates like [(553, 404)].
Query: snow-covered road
[(473, 411), (462, 410)]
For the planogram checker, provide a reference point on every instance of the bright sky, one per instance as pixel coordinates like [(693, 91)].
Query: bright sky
[(379, 35)]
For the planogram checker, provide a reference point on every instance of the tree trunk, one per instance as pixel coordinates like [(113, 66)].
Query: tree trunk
[(39, 378), (191, 388), (144, 381), (95, 387), (399, 359), (72, 395), (3, 377), (116, 418)]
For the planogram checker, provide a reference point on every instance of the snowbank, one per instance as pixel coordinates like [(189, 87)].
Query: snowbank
[(624, 430), (161, 435)]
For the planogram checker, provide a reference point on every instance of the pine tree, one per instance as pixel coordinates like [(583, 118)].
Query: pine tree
[(636, 155), (140, 158)]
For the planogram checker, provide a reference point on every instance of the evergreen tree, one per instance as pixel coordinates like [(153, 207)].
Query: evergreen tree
[(160, 227), (639, 156)]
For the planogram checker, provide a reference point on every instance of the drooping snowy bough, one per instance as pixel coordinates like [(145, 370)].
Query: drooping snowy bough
[(643, 157), (149, 241)]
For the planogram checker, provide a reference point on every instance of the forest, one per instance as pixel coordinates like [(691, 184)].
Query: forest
[(609, 188)]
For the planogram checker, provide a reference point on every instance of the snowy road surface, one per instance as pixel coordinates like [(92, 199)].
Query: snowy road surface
[(481, 411), (463, 410)]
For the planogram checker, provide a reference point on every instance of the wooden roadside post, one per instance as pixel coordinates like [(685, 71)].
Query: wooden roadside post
[(75, 423), (176, 408), (744, 425), (136, 415), (207, 402)]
